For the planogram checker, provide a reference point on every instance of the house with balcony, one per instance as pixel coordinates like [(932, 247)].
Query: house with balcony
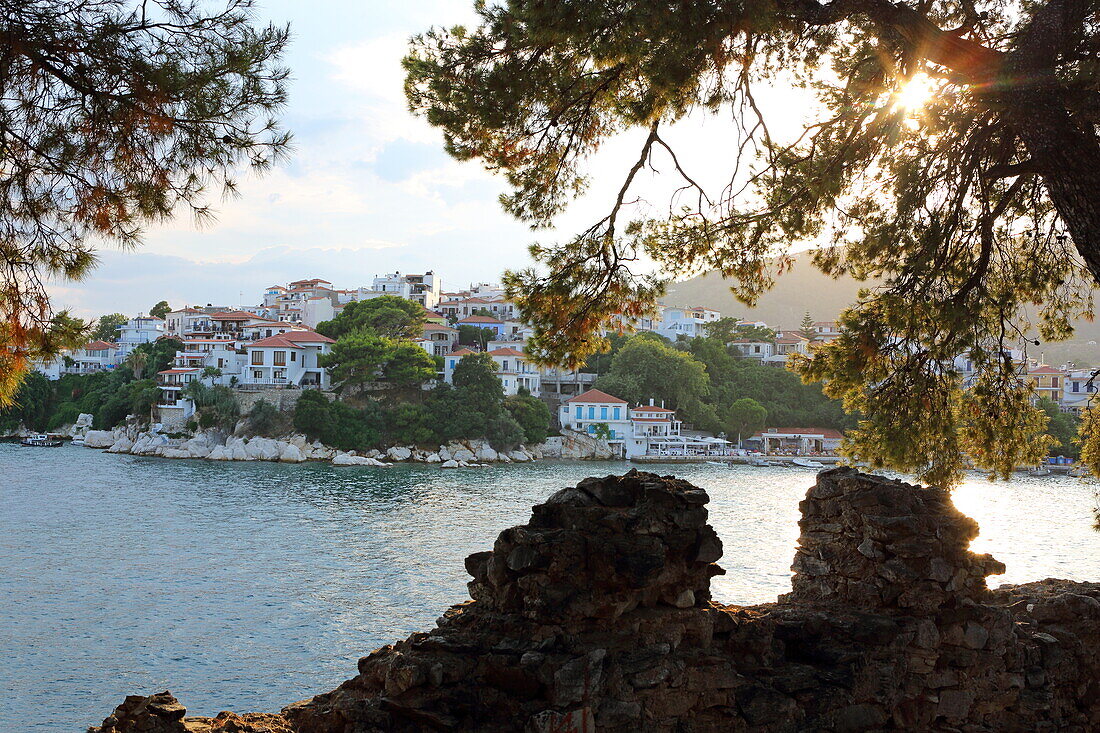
[(289, 359), (137, 331), (1047, 382), (173, 409), (1078, 389), (598, 414), (188, 321), (516, 372), (787, 343), (687, 322), (498, 327), (95, 356), (438, 340), (754, 348)]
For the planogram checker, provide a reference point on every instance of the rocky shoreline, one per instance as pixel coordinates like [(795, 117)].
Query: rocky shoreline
[(596, 615), (217, 445)]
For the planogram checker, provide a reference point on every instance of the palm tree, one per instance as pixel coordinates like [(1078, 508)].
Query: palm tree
[(137, 360)]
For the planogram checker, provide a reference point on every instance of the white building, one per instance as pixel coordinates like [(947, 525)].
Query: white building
[(753, 348), (597, 413), (1077, 390), (173, 410), (288, 359), (516, 372), (137, 331), (687, 322), (438, 340), (96, 356), (425, 289)]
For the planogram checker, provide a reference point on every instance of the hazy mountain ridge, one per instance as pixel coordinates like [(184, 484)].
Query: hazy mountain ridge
[(804, 289)]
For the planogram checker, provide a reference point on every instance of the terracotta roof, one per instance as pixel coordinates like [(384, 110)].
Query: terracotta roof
[(232, 316), (178, 371), (506, 351), (595, 395), (275, 287), (439, 327), (651, 419), (462, 352), (479, 319), (1044, 369), (790, 340), (99, 346), (651, 408), (823, 432), (279, 342), (311, 337)]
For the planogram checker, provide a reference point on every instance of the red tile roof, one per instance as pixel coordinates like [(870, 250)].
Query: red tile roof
[(232, 316), (178, 371), (311, 337), (479, 319), (595, 395), (506, 351), (99, 346), (651, 408), (292, 340), (462, 352), (1044, 369)]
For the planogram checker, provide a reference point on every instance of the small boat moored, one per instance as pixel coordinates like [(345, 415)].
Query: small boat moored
[(40, 440), (807, 463)]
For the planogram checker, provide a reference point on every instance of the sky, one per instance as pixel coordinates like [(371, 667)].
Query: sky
[(367, 189)]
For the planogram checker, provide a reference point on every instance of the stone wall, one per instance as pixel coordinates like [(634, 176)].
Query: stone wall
[(596, 616), (283, 399)]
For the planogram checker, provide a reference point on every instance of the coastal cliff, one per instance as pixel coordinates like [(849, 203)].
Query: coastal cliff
[(596, 615)]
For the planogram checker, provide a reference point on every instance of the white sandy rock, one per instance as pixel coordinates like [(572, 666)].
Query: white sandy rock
[(519, 456), (450, 463), (218, 453), (486, 453), (291, 453), (399, 453), (462, 455), (99, 439)]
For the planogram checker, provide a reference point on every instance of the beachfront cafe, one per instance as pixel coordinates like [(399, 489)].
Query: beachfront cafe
[(681, 446), (796, 441)]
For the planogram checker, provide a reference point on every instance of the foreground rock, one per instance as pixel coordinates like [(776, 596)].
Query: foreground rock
[(162, 713), (596, 615)]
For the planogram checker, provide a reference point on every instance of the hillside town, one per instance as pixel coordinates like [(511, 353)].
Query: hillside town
[(272, 350)]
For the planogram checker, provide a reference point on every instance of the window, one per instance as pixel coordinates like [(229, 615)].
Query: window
[(257, 358), (579, 408), (294, 356), (1054, 382), (280, 358), (1074, 386), (603, 413), (615, 413), (257, 374), (504, 366), (591, 413)]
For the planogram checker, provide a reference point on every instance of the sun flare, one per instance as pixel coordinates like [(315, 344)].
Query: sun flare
[(915, 93)]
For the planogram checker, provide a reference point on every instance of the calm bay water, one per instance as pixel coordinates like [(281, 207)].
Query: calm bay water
[(247, 586)]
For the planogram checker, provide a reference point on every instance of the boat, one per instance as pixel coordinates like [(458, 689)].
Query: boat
[(807, 463), (1039, 470), (1078, 472), (39, 440), (759, 463)]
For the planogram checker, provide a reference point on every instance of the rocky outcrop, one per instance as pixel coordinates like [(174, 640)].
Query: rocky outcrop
[(215, 445), (575, 446), (162, 713), (595, 615)]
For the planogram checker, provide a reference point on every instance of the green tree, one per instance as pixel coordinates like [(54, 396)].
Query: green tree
[(1062, 428), (137, 361), (645, 369), (106, 328), (357, 358), (807, 328), (160, 310), (408, 365), (410, 424), (312, 415), (119, 113), (387, 316), (160, 354), (531, 413), (31, 405), (469, 335), (743, 417), (949, 160), (264, 418)]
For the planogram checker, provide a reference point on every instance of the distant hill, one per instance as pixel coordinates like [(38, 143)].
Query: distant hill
[(804, 288)]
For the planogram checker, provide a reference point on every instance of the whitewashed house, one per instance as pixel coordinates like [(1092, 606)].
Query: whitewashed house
[(287, 359), (516, 372), (95, 356), (173, 409), (1077, 390), (686, 322), (754, 348), (137, 331), (597, 413)]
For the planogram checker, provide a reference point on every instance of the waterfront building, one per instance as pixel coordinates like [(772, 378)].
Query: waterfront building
[(290, 359), (754, 348), (173, 409), (598, 414), (1077, 391), (796, 441)]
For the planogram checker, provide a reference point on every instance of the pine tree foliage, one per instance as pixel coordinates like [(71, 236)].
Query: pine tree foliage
[(955, 160), (118, 113)]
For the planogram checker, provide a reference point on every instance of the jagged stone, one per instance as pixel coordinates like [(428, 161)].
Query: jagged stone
[(595, 615)]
